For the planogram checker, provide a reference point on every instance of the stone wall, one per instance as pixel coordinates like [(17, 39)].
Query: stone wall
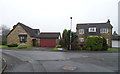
[(13, 37)]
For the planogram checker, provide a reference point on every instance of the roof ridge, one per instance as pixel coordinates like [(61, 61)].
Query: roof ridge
[(24, 25), (91, 23)]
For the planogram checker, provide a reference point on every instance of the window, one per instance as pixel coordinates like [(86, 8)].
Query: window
[(104, 30), (92, 29), (107, 41), (81, 31), (23, 38), (81, 39)]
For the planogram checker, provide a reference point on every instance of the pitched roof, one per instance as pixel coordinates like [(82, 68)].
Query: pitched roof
[(30, 31), (115, 37), (100, 25), (49, 35)]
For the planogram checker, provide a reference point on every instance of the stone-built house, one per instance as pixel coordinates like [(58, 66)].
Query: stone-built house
[(100, 29), (32, 37), (22, 34)]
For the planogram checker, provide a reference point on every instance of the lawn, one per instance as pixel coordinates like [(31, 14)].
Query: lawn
[(113, 49), (109, 49), (4, 46), (57, 49)]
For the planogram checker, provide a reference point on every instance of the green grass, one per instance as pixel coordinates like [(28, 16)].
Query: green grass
[(109, 49), (113, 49), (4, 46), (56, 49)]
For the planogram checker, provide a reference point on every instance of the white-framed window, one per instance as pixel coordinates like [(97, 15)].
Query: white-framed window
[(22, 38), (107, 40), (92, 29), (81, 31), (81, 39), (104, 30)]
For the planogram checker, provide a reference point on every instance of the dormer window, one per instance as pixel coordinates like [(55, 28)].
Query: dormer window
[(92, 29), (23, 37), (104, 30)]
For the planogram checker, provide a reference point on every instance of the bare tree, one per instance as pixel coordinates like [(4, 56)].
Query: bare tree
[(5, 30)]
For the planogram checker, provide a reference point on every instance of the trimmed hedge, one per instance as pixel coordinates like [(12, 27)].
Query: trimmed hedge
[(96, 43)]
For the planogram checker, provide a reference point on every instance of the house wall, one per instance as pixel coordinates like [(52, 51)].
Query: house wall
[(108, 36), (105, 35), (13, 37)]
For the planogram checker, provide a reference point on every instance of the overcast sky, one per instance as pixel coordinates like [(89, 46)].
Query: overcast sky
[(54, 15)]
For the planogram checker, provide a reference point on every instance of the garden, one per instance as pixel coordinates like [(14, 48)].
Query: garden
[(92, 43)]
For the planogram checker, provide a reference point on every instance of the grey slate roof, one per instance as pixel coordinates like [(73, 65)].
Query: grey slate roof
[(53, 35), (99, 25), (115, 37), (30, 31)]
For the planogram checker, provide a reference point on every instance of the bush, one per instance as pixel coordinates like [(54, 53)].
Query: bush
[(12, 45), (83, 46), (22, 46), (105, 46), (76, 45), (58, 46), (94, 43)]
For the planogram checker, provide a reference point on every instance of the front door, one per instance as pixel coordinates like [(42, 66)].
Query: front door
[(34, 42)]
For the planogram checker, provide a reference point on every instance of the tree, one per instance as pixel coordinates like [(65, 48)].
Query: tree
[(5, 31), (65, 41), (115, 33)]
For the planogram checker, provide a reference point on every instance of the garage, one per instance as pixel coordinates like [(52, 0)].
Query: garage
[(49, 39), (47, 42)]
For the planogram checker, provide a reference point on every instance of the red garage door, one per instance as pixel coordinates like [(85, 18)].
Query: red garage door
[(47, 42)]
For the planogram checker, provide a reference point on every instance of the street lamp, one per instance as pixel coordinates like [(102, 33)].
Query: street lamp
[(70, 31)]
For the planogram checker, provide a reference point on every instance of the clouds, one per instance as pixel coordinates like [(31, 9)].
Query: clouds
[(53, 15)]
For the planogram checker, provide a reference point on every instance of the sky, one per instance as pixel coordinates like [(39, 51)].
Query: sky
[(54, 15)]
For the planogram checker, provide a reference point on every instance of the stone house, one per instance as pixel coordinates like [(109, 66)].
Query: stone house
[(22, 34), (32, 37), (100, 29)]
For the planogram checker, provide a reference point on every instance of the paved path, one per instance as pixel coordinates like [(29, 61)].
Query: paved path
[(49, 61)]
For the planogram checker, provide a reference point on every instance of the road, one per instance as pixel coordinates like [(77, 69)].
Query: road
[(51, 61)]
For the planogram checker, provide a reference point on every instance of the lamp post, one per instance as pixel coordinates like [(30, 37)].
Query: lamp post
[(70, 31)]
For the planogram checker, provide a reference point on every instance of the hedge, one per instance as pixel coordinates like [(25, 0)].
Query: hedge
[(96, 43)]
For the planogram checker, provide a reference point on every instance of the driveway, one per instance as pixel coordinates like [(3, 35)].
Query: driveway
[(50, 61)]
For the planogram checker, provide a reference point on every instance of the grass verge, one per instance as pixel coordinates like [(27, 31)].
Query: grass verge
[(57, 49), (4, 46), (113, 49)]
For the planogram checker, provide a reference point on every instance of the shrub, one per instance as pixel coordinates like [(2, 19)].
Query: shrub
[(58, 46), (94, 43), (12, 45), (75, 45), (22, 46), (105, 46), (83, 46)]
